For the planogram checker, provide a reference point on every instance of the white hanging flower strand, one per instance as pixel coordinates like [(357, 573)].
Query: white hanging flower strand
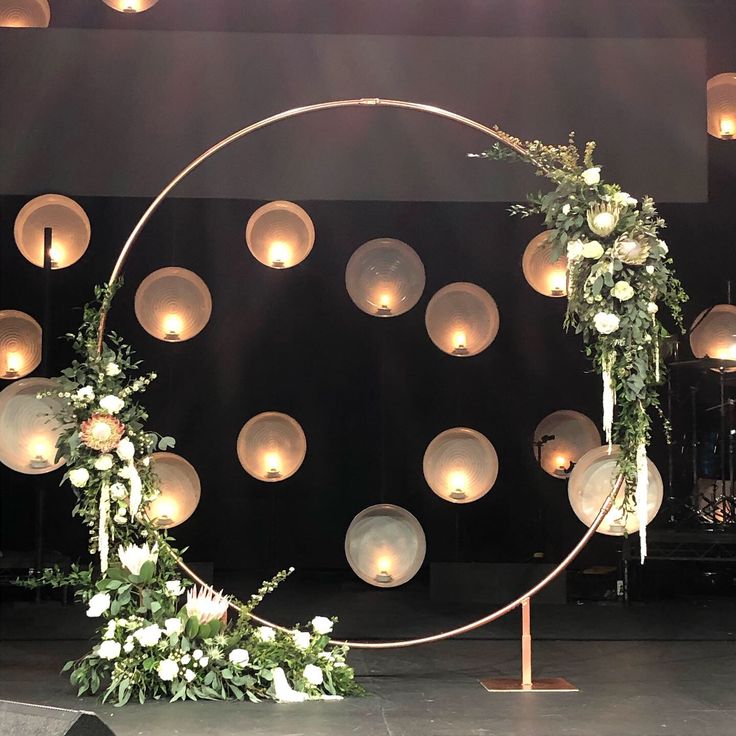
[(609, 397), (642, 494), (103, 541), (136, 490)]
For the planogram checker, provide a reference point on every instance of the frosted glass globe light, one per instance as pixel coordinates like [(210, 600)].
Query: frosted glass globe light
[(713, 335), (385, 277), (180, 490), (24, 14), (460, 465), (591, 481), (130, 6), (722, 106), (271, 446), (20, 344), (28, 432), (173, 304), (573, 434), (70, 230), (385, 545), (544, 276), (462, 319), (280, 234)]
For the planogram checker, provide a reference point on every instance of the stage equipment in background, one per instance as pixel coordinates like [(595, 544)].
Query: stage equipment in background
[(271, 446), (385, 277), (24, 14), (130, 6), (460, 465), (713, 333), (180, 490), (28, 430), (70, 230), (385, 545), (561, 439), (280, 234), (722, 106), (462, 319), (591, 482), (548, 277), (20, 344), (173, 304), (29, 719)]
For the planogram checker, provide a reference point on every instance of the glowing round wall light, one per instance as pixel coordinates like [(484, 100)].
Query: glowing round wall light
[(722, 106), (385, 277), (592, 480), (70, 230), (20, 344), (130, 6), (24, 14), (571, 434), (460, 465), (462, 319), (271, 446), (713, 333), (173, 304), (180, 490), (545, 276), (28, 431), (280, 234), (385, 545)]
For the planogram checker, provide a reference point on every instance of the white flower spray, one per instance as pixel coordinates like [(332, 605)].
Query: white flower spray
[(609, 396), (642, 493), (103, 541)]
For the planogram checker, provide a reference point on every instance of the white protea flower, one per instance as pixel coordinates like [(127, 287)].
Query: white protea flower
[(167, 670), (322, 625), (98, 604), (603, 218), (313, 674), (206, 604), (109, 649), (132, 558)]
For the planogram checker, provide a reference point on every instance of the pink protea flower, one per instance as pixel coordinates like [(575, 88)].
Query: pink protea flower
[(101, 432), (206, 604)]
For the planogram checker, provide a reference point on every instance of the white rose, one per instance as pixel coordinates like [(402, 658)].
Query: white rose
[(663, 246), (111, 404), (592, 176), (313, 674), (126, 449), (566, 209), (321, 625), (172, 626), (622, 290), (109, 632), (574, 250), (103, 462), (112, 369), (86, 393), (197, 654), (174, 588), (167, 669), (266, 633), (652, 308), (649, 270), (109, 649), (186, 659), (606, 323), (301, 639), (204, 661), (239, 657), (148, 636), (78, 477), (128, 647), (118, 491), (189, 675), (98, 604), (592, 249)]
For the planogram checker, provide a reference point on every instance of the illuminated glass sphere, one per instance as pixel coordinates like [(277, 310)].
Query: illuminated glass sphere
[(173, 304), (24, 14), (180, 490), (385, 277), (271, 446), (280, 234), (545, 276), (20, 344), (130, 6), (70, 230), (28, 432), (460, 465), (572, 433), (462, 319), (385, 545), (713, 333), (591, 481), (722, 106)]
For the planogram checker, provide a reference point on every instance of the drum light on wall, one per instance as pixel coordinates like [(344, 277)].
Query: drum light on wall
[(24, 14), (70, 230), (28, 432), (20, 344), (713, 333), (722, 106), (591, 481), (130, 6), (385, 545), (385, 277), (460, 465), (571, 434), (271, 446), (462, 319), (280, 234), (173, 304), (180, 490), (544, 276)]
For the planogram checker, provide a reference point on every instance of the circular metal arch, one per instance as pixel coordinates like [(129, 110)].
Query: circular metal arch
[(494, 133)]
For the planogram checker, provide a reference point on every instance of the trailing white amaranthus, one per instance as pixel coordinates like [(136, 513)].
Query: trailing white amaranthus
[(642, 496), (103, 541), (609, 397)]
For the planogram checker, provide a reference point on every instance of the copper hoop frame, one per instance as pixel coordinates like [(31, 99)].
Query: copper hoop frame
[(242, 133)]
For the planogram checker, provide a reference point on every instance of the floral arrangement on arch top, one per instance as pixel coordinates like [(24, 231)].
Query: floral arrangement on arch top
[(153, 643), (619, 275)]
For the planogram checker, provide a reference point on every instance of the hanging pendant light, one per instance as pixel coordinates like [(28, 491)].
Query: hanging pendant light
[(544, 276), (130, 6), (179, 487), (561, 439), (722, 106), (20, 344), (24, 14), (280, 234), (271, 446), (713, 333)]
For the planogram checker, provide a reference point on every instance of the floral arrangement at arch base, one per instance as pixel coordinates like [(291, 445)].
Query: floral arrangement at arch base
[(619, 273), (159, 636)]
